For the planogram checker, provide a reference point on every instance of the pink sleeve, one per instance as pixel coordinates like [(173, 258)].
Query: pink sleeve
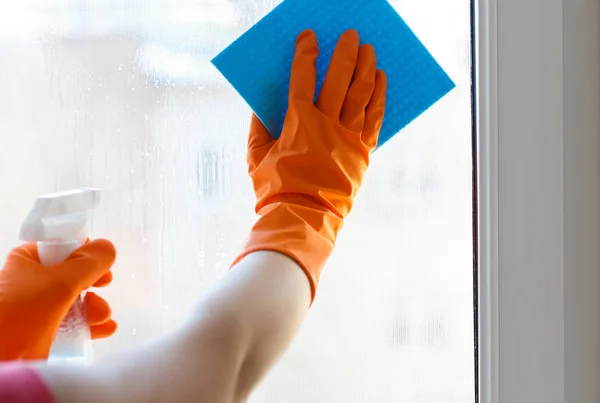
[(22, 384)]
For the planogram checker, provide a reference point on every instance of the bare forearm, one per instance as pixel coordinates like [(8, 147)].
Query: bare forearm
[(271, 295), (235, 334), (246, 323)]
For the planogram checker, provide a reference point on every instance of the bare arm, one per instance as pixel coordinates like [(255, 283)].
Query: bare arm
[(305, 183), (237, 332)]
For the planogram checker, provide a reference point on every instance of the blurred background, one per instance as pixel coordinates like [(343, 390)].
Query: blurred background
[(121, 95)]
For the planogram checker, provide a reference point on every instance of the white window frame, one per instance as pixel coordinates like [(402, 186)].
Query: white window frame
[(538, 97)]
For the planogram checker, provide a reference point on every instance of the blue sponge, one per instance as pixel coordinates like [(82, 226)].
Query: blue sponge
[(258, 63)]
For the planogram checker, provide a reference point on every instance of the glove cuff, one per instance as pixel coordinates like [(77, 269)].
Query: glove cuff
[(305, 234)]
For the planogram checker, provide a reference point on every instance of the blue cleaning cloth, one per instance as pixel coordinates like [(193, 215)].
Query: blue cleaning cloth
[(258, 63)]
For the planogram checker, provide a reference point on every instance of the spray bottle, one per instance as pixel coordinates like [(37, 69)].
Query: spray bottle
[(58, 222)]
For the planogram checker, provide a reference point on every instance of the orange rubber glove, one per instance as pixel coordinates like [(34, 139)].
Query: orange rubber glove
[(306, 181), (34, 298)]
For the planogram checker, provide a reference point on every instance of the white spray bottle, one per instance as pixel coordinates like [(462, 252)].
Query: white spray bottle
[(58, 222)]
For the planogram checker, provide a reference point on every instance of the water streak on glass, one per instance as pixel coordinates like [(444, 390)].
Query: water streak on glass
[(120, 95)]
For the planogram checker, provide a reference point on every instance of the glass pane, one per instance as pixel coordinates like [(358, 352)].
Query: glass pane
[(121, 95)]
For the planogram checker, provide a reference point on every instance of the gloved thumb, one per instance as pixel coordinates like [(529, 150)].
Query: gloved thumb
[(259, 143), (88, 264)]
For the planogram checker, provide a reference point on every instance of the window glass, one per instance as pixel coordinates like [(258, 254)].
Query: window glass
[(120, 94)]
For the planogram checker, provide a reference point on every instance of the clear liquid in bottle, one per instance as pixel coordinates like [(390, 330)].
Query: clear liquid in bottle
[(72, 343)]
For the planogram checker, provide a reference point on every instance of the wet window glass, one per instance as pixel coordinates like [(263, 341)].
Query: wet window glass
[(121, 95)]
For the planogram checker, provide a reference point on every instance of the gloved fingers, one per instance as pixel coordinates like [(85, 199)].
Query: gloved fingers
[(259, 143), (339, 75), (98, 310), (375, 111), (303, 79), (105, 280), (104, 330), (89, 263), (361, 90), (99, 316)]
